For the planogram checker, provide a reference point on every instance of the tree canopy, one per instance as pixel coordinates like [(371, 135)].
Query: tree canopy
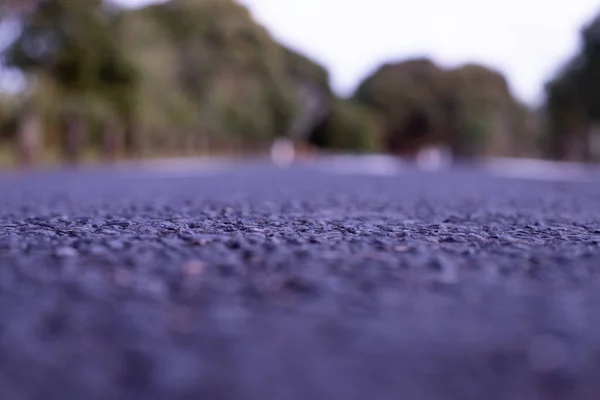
[(572, 104), (201, 75), (469, 108)]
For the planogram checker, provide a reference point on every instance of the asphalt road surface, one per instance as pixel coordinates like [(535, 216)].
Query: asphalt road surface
[(251, 282)]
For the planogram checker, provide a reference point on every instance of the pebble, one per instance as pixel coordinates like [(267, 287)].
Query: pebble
[(66, 252)]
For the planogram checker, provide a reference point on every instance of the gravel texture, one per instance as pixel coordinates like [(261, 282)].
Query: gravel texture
[(259, 283)]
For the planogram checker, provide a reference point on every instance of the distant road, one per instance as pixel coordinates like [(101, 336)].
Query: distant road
[(343, 278), (386, 165)]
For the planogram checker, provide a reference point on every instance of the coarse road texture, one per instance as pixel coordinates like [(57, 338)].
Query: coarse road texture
[(257, 283)]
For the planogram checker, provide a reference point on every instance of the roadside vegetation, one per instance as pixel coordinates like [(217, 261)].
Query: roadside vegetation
[(201, 77)]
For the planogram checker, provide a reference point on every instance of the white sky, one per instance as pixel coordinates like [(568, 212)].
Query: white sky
[(527, 40)]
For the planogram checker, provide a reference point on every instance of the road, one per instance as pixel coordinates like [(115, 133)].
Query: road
[(246, 281)]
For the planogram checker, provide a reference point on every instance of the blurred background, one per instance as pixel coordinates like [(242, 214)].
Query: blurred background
[(101, 81)]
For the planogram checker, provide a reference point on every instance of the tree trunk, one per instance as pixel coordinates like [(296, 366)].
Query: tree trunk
[(586, 154), (131, 141), (558, 144), (112, 134), (73, 138), (455, 130), (28, 139)]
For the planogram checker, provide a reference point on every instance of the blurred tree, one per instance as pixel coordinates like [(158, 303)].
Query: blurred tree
[(572, 104), (226, 72), (588, 78), (469, 108), (225, 75), (349, 127), (409, 95), (170, 78), (567, 119), (75, 48), (490, 124), (313, 94)]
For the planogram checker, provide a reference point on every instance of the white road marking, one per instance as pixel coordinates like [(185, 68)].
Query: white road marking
[(511, 168), (379, 165)]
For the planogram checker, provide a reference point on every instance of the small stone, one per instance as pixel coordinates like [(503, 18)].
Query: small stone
[(115, 244), (97, 250), (168, 226), (299, 285), (401, 248), (203, 241), (448, 273), (193, 268), (65, 252), (123, 277), (547, 353), (153, 287), (181, 321)]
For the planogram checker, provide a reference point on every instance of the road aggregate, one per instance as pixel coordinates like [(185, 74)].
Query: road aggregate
[(254, 282)]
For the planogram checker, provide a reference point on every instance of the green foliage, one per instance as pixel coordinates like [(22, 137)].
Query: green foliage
[(200, 71), (71, 51), (74, 42), (201, 66), (10, 107), (176, 70), (587, 77), (469, 108), (350, 127), (212, 68), (486, 106), (300, 68), (410, 96), (572, 103)]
